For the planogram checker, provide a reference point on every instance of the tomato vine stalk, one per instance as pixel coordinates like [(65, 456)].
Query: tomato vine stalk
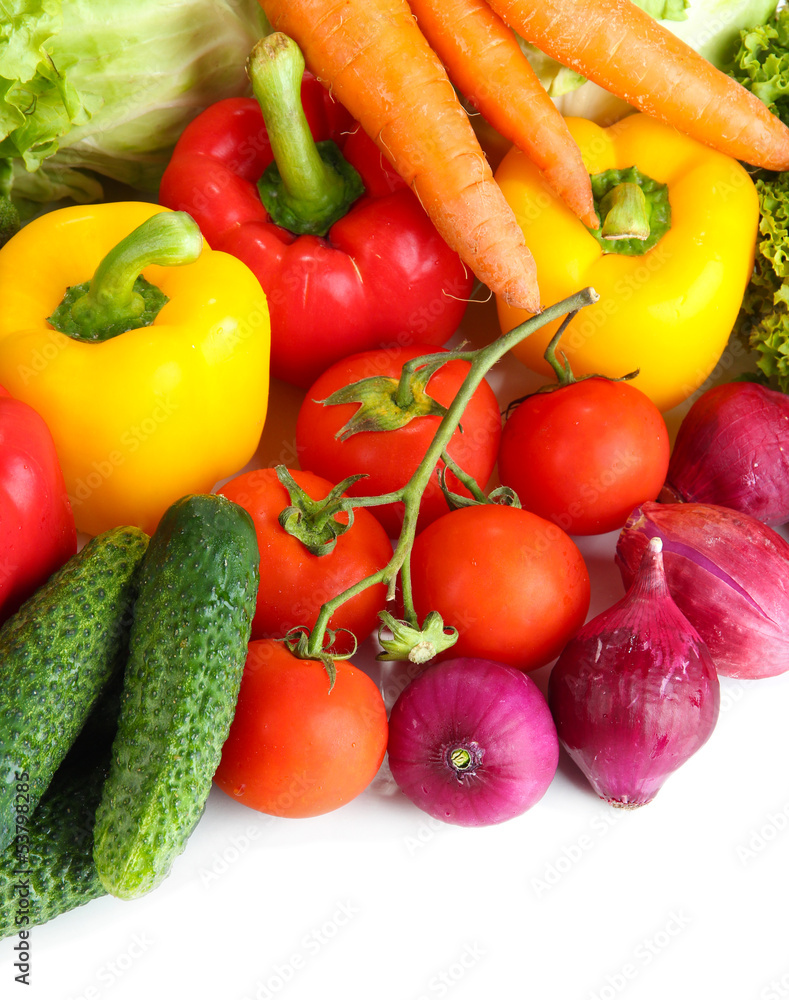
[(481, 360)]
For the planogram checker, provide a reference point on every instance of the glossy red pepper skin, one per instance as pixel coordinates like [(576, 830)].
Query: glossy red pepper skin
[(381, 276), (37, 533)]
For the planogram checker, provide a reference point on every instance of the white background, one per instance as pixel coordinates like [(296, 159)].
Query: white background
[(684, 898)]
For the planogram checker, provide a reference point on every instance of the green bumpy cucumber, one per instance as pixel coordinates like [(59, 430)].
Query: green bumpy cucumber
[(49, 867), (187, 649), (57, 653)]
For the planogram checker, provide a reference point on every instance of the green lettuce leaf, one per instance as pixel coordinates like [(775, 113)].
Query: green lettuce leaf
[(105, 87), (762, 63), (763, 322), (665, 10), (39, 105)]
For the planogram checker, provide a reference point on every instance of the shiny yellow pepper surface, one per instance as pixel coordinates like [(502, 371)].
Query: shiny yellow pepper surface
[(668, 304), (149, 395)]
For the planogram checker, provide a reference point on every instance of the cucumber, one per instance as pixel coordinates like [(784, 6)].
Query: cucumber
[(57, 653), (49, 867), (187, 649)]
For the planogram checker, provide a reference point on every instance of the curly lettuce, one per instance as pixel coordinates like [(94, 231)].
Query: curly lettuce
[(763, 322), (761, 64)]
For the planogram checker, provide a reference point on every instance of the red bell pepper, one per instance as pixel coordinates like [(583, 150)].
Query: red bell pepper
[(37, 533), (378, 275)]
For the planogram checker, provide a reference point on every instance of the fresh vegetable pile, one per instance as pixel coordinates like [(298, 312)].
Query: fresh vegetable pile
[(206, 630)]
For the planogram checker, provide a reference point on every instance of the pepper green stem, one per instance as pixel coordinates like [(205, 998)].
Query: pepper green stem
[(481, 361), (635, 209), (625, 213), (309, 186), (116, 298)]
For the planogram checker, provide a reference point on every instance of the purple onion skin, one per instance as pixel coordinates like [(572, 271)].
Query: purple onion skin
[(635, 694), (729, 575), (491, 712), (732, 449)]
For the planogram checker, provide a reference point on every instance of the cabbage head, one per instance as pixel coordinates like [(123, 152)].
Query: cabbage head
[(93, 89)]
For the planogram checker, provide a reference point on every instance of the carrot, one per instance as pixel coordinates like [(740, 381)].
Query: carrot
[(487, 66), (625, 51), (378, 64)]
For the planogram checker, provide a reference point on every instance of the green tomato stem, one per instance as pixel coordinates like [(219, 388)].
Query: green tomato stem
[(481, 361), (404, 396), (562, 370), (468, 481)]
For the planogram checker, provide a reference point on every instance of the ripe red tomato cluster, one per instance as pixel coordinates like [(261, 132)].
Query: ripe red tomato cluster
[(508, 577)]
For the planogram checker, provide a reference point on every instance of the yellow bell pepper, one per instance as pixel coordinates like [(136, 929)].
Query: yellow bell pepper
[(148, 396), (667, 306)]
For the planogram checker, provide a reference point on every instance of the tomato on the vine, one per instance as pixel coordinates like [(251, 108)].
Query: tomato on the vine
[(583, 455), (295, 748), (294, 583), (515, 586), (390, 457)]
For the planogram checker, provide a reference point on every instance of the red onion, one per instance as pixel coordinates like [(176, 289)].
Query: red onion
[(472, 742), (732, 449), (635, 693), (729, 575)]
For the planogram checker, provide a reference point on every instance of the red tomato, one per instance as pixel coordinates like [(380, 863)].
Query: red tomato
[(294, 583), (585, 455), (390, 457), (295, 749), (514, 585)]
